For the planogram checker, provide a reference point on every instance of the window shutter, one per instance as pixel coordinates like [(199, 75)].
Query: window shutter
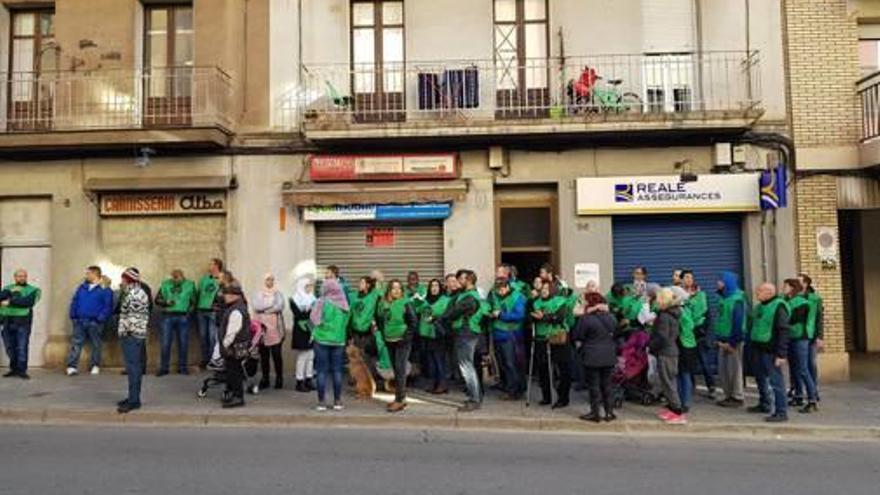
[(668, 26)]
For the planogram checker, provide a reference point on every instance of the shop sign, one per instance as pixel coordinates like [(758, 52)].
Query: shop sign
[(379, 237), (162, 203), (330, 168), (668, 194), (341, 213)]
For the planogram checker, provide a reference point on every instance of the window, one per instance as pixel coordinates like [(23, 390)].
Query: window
[(869, 56), (669, 82), (168, 63), (377, 57), (521, 51), (33, 57)]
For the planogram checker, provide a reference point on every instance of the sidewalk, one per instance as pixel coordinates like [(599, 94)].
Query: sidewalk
[(847, 411)]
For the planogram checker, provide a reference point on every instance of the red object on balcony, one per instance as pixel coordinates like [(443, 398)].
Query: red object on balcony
[(340, 168)]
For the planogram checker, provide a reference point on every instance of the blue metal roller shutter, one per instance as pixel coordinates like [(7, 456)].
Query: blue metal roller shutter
[(706, 244)]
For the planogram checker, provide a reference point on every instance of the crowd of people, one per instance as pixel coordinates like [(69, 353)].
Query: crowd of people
[(449, 332)]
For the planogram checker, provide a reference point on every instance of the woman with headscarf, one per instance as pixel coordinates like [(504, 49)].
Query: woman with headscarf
[(329, 318), (434, 335), (268, 307), (594, 336), (301, 305)]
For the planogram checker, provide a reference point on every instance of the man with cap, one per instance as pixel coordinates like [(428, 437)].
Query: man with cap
[(134, 318), (234, 336)]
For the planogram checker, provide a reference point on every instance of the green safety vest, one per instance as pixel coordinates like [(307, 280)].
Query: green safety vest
[(473, 320), (762, 320), (363, 311), (506, 304), (615, 303), (23, 291), (686, 327), (432, 310), (208, 288), (393, 316), (544, 330), (726, 306), (181, 295), (797, 331), (699, 306), (631, 306), (814, 302), (334, 321)]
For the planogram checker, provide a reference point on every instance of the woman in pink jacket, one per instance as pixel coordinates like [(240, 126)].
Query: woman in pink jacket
[(268, 307)]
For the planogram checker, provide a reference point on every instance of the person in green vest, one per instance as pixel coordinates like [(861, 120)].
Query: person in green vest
[(398, 322), (729, 328), (206, 315), (433, 333), (508, 308), (698, 304), (511, 274), (176, 297), (464, 317), (687, 348), (552, 349), (415, 292), (799, 345), (769, 336), (816, 328), (624, 306), (363, 304), (17, 301), (330, 319)]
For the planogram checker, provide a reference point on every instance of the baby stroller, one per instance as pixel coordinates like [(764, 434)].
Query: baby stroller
[(250, 365), (630, 376)]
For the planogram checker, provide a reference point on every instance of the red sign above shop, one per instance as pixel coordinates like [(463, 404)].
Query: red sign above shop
[(379, 237), (340, 168)]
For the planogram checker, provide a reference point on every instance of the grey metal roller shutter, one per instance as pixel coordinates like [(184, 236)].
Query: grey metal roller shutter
[(417, 246)]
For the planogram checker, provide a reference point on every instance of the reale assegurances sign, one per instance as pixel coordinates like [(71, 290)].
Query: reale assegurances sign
[(668, 194)]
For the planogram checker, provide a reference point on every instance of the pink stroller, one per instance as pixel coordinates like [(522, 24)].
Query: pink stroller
[(630, 377)]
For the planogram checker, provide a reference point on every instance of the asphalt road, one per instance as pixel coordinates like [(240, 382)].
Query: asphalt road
[(123, 461)]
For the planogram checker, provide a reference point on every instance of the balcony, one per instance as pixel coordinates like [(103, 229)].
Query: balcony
[(570, 95), (179, 105), (868, 89)]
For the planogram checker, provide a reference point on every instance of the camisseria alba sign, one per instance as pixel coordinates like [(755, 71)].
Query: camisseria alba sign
[(668, 194)]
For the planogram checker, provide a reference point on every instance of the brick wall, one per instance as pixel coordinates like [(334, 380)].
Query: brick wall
[(822, 40)]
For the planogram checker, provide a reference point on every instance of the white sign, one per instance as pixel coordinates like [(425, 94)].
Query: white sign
[(826, 246), (584, 273), (339, 213), (668, 194)]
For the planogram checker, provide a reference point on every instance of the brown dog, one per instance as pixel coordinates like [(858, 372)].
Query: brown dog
[(364, 385)]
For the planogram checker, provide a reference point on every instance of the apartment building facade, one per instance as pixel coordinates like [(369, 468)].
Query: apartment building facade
[(286, 135)]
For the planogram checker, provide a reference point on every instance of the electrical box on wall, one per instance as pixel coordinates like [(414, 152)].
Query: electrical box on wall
[(723, 155), (497, 157), (739, 154)]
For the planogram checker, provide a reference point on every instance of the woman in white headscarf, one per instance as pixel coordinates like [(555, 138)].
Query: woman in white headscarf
[(268, 307), (301, 304)]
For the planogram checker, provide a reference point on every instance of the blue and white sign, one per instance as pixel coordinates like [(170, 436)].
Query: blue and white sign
[(341, 213), (667, 194)]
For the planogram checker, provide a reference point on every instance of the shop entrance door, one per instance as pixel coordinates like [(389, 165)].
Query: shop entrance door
[(526, 231)]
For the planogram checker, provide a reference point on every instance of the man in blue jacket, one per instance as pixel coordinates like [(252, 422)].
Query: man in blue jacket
[(508, 313), (90, 308)]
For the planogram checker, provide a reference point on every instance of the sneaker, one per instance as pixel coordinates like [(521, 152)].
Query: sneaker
[(730, 402), (127, 408), (676, 419), (776, 418), (759, 409), (809, 408), (664, 413), (122, 402), (796, 402), (593, 417), (95, 371), (396, 407), (72, 371), (321, 408), (235, 402), (469, 406), (10, 374), (338, 407)]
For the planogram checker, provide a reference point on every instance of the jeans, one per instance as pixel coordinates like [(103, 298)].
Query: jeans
[(174, 325), (771, 384), (328, 361), (16, 338), (704, 354), (505, 353), (437, 365), (465, 347), (399, 352), (133, 354), (207, 322), (799, 357), (599, 380), (83, 330), (813, 366), (685, 388)]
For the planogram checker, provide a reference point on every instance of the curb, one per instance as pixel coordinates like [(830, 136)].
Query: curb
[(66, 417)]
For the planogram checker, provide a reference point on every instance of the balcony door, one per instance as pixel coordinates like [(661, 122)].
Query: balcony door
[(377, 60), (168, 65), (33, 61), (522, 70)]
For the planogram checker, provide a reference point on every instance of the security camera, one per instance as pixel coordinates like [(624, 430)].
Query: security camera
[(142, 160)]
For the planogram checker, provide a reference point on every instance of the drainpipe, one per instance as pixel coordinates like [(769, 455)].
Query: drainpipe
[(785, 146)]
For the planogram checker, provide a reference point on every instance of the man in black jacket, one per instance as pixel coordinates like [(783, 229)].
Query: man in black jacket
[(769, 344)]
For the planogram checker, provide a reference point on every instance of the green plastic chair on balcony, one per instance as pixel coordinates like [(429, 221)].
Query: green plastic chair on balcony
[(339, 100)]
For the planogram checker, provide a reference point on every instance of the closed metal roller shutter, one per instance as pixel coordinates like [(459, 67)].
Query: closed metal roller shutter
[(706, 244), (417, 246)]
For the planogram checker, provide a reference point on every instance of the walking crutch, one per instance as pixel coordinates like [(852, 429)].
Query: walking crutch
[(531, 368)]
